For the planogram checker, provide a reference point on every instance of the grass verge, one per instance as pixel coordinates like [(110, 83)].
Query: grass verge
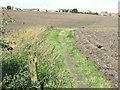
[(85, 67), (52, 70)]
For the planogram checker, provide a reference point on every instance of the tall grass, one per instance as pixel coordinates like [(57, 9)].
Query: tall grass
[(51, 68)]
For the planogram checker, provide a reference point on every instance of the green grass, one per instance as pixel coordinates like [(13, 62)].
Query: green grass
[(54, 36), (52, 70), (75, 54), (94, 78)]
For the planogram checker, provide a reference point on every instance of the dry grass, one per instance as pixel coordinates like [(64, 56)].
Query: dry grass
[(51, 68), (25, 35)]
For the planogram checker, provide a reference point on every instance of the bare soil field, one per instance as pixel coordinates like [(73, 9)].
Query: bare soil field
[(101, 46), (31, 18)]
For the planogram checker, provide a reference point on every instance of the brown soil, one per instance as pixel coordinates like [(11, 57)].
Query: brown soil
[(100, 46), (31, 18)]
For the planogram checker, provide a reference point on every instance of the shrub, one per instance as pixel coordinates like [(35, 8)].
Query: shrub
[(74, 10), (9, 7)]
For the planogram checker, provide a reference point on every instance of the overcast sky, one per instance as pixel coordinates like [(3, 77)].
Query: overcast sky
[(92, 5)]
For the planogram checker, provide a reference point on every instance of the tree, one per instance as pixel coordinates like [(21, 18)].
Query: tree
[(75, 10), (9, 7), (95, 13), (66, 10)]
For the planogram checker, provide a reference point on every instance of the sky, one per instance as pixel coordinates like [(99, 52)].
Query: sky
[(110, 6)]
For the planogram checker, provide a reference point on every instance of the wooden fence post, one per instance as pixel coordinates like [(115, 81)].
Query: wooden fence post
[(33, 67)]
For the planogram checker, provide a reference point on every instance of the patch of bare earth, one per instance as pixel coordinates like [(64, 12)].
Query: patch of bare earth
[(100, 46)]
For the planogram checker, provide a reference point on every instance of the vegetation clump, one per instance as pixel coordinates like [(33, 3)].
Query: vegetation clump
[(51, 69)]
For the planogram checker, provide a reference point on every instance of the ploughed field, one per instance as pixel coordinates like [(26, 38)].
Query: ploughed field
[(101, 46), (64, 20)]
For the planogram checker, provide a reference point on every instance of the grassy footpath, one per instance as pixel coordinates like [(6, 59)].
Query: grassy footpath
[(85, 67), (52, 69)]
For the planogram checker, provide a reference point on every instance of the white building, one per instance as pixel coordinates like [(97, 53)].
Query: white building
[(17, 8), (44, 10), (87, 11), (51, 10), (35, 9), (62, 10), (104, 13)]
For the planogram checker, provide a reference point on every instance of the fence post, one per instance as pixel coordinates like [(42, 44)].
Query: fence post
[(33, 67)]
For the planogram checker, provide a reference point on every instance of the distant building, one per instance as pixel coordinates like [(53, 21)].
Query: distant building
[(12, 7), (87, 12), (113, 14), (61, 10), (65, 10), (104, 13), (51, 10), (3, 8), (35, 9), (69, 10), (26, 9), (17, 9), (44, 10)]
